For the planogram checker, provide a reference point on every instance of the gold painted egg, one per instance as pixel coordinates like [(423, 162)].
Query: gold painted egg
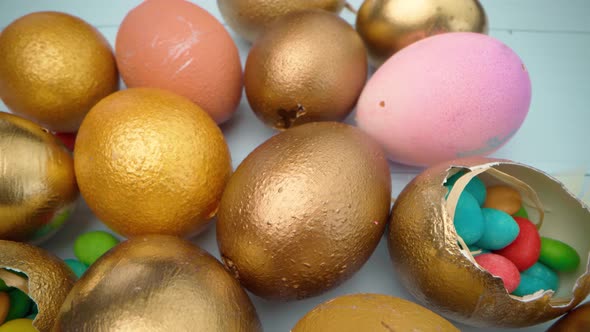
[(48, 280), (443, 275), (309, 66), (577, 320), (151, 162), (371, 312), (54, 67), (304, 211), (387, 26), (250, 18), (37, 184), (157, 283)]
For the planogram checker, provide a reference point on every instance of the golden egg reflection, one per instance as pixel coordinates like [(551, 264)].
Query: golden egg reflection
[(387, 26), (430, 263)]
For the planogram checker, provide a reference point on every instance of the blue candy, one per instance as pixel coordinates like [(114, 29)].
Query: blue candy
[(475, 187), (76, 266), (468, 221), (541, 271), (500, 229), (529, 285)]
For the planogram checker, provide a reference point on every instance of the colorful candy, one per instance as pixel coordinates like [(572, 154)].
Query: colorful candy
[(4, 306), (538, 277), (525, 249), (500, 267), (558, 255), (503, 198), (76, 266), (468, 220), (475, 187), (20, 304), (500, 229), (90, 246), (521, 213), (18, 325)]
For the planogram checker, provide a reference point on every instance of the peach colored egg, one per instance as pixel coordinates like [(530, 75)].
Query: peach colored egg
[(447, 96), (178, 46)]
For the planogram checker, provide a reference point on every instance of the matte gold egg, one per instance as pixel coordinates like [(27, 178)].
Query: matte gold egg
[(304, 211), (250, 18), (443, 275), (387, 26), (37, 183), (54, 67), (49, 278), (577, 320), (157, 283), (308, 66), (151, 162)]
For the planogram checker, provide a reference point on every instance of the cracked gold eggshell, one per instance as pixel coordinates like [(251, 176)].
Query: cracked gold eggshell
[(54, 67), (37, 183), (149, 161), (304, 211), (49, 278), (577, 320), (250, 18), (387, 26), (308, 66), (426, 255), (157, 283), (371, 312)]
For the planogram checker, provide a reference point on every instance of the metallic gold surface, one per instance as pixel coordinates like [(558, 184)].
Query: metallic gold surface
[(250, 18), (387, 26), (54, 67), (150, 161), (304, 211), (371, 312), (157, 283), (310, 66), (37, 179), (428, 260), (577, 320), (50, 279)]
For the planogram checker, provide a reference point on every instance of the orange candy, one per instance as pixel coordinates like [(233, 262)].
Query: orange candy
[(503, 198)]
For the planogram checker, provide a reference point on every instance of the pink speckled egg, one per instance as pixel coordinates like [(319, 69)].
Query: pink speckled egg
[(178, 46), (448, 96)]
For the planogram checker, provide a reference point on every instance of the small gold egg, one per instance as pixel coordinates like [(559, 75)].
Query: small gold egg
[(577, 320), (48, 281)]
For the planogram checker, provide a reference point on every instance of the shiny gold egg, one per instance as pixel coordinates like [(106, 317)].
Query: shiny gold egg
[(441, 273), (150, 161), (371, 312), (387, 26), (304, 211), (48, 278), (577, 320), (54, 67), (309, 66), (250, 18), (37, 183), (157, 283)]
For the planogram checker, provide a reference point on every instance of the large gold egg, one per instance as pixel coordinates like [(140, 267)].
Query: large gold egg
[(53, 68), (444, 276), (250, 18), (150, 161), (157, 283), (387, 26), (309, 66), (371, 312), (577, 320), (48, 278), (304, 211), (37, 183)]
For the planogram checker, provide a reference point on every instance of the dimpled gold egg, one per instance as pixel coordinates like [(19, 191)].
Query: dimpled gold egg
[(37, 183), (387, 26), (304, 211), (157, 283), (150, 161), (443, 275), (53, 68), (48, 278), (249, 18)]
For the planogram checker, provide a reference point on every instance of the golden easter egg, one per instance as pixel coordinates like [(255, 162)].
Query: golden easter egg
[(304, 211), (53, 68), (577, 320), (436, 266), (150, 161)]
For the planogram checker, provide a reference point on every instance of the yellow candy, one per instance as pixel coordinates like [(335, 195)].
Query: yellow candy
[(19, 325), (4, 306)]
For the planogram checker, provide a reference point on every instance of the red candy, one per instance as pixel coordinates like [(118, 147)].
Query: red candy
[(500, 267), (68, 139), (524, 251)]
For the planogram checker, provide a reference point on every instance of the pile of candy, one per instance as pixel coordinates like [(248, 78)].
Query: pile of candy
[(495, 225)]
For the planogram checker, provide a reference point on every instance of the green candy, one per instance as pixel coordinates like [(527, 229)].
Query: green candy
[(20, 304), (558, 255), (76, 266), (90, 246), (521, 213)]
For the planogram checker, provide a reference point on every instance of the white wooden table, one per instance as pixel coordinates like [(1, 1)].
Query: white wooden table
[(553, 39)]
